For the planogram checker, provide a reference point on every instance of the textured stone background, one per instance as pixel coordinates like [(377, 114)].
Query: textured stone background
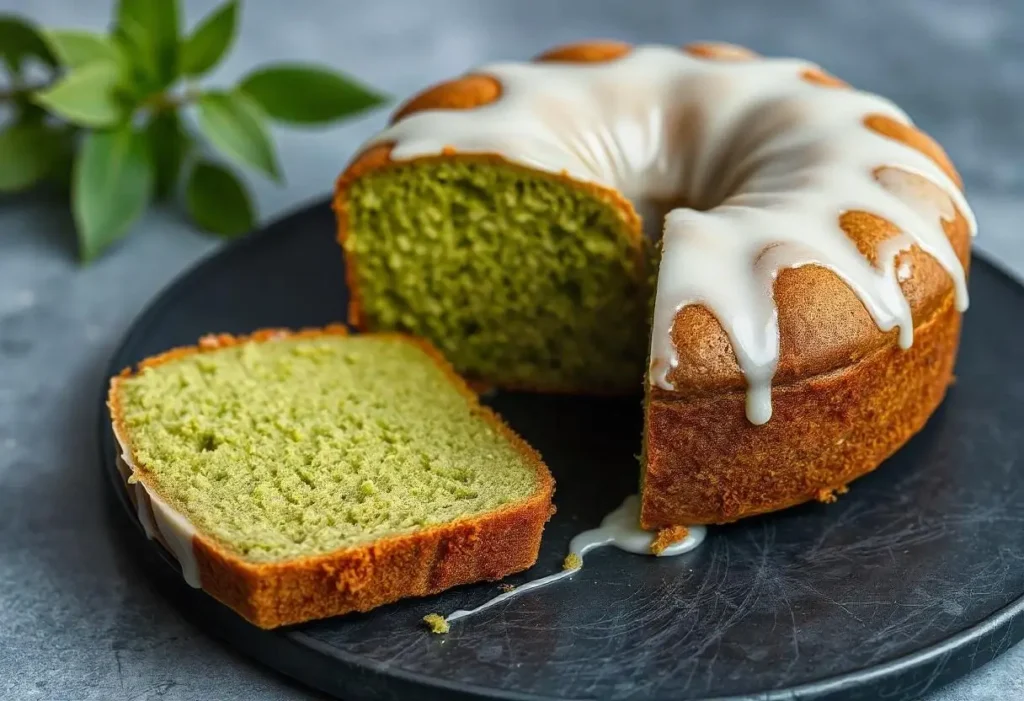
[(76, 620)]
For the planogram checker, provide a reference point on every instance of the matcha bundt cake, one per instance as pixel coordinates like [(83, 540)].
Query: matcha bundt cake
[(298, 476), (781, 256)]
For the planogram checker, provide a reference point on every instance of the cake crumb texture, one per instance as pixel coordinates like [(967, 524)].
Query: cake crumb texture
[(831, 495), (436, 623), (519, 278), (318, 470), (302, 446), (666, 537)]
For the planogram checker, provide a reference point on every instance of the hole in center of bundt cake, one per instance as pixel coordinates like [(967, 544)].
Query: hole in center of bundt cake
[(522, 279), (652, 213)]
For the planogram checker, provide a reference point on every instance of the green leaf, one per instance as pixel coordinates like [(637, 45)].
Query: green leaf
[(20, 40), (217, 200), (307, 94), (86, 95), (158, 22), (236, 127), (168, 145), (141, 70), (210, 40), (74, 48), (27, 152), (112, 184)]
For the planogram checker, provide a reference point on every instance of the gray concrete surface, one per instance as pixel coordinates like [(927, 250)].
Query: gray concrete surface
[(76, 619)]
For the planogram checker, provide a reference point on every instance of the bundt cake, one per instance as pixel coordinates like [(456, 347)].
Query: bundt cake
[(781, 256), (297, 476)]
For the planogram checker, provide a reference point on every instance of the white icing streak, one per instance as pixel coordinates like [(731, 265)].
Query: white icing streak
[(535, 584), (773, 161), (621, 529), (160, 519)]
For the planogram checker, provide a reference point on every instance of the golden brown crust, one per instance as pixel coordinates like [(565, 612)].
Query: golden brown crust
[(823, 325), (916, 139), (825, 80), (595, 51), (720, 51), (830, 350), (666, 537), (218, 341), (706, 463), (816, 337), (486, 547), (830, 495), (465, 93)]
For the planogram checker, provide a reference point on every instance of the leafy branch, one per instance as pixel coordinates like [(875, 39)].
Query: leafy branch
[(121, 119)]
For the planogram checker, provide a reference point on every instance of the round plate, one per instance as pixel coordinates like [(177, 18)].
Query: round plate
[(913, 578)]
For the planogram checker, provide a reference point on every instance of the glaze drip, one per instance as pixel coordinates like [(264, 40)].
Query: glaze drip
[(159, 520), (766, 161), (621, 529)]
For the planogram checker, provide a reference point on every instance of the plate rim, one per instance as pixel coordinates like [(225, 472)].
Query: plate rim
[(1000, 622)]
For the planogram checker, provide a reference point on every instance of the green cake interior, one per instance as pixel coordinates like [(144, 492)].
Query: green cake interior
[(520, 278), (304, 446)]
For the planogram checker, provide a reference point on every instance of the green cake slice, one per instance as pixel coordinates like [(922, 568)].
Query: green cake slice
[(302, 475)]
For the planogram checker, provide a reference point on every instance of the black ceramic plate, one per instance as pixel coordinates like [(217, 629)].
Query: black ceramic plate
[(913, 578)]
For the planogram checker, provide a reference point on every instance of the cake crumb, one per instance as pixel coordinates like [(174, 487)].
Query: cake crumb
[(829, 496), (572, 562), (436, 623), (668, 536), (507, 587)]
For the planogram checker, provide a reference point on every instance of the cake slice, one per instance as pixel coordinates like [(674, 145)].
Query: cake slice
[(302, 475)]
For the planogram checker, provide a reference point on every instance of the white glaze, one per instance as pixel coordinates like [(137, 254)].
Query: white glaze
[(160, 519), (140, 497), (621, 529), (774, 160)]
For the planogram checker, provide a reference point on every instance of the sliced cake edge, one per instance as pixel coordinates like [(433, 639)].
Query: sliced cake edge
[(486, 546)]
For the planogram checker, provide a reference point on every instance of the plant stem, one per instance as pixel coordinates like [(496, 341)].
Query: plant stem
[(162, 101)]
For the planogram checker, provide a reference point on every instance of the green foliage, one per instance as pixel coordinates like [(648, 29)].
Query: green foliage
[(169, 145), (142, 71), (302, 94), (218, 201), (74, 48), (235, 125), (113, 104), (86, 95), (111, 187), (27, 154), (19, 40), (157, 24), (211, 39)]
